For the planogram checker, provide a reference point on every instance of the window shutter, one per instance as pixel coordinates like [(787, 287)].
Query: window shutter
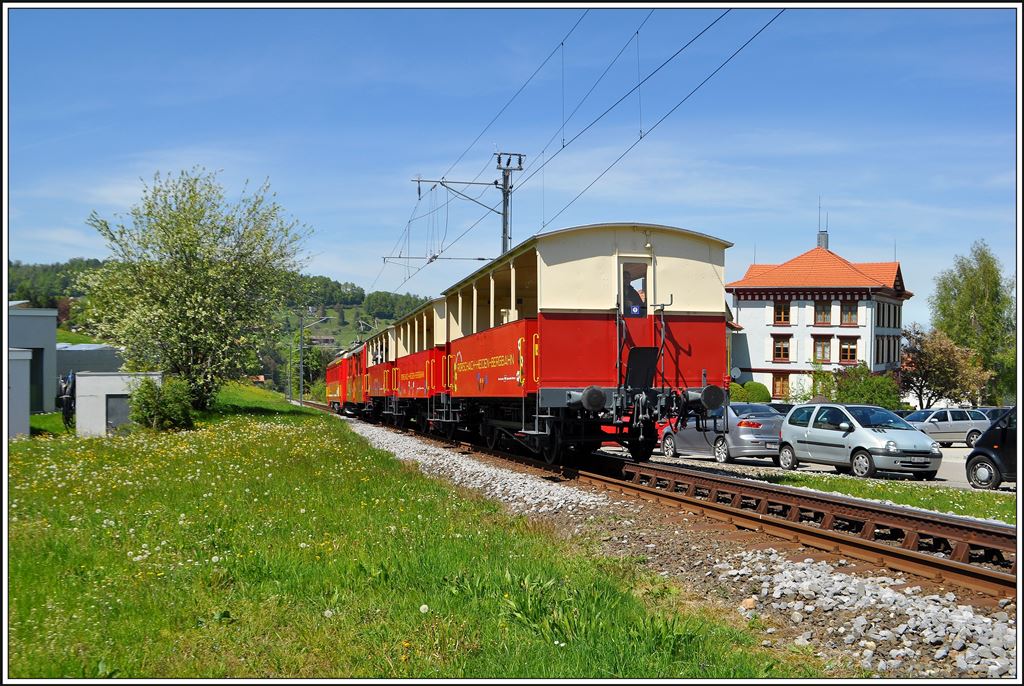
[(794, 313), (794, 353), (862, 313), (836, 313), (769, 310), (768, 348)]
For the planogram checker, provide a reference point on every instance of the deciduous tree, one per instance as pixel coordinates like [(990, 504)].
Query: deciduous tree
[(974, 305), (194, 279), (934, 368)]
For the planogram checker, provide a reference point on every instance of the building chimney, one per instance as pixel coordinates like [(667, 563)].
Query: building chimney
[(823, 239)]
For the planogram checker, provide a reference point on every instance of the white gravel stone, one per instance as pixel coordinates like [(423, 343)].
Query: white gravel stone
[(522, 493)]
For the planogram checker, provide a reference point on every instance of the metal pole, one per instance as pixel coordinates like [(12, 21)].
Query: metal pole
[(289, 363), (300, 359), (506, 238)]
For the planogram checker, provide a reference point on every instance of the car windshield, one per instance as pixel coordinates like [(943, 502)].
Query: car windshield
[(877, 418), (918, 416), (753, 408)]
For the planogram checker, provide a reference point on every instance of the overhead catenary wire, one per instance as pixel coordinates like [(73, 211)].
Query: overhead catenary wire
[(665, 116), (585, 97), (561, 46), (521, 88), (626, 95)]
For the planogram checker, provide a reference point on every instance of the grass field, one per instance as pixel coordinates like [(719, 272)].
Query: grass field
[(973, 503), (273, 542), (65, 336)]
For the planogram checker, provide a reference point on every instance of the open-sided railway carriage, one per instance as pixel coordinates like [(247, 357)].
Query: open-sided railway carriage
[(573, 338)]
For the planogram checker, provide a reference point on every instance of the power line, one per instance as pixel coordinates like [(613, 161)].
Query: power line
[(560, 45), (595, 84), (510, 100), (626, 95), (665, 116)]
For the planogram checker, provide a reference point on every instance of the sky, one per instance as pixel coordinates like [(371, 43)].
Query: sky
[(904, 122)]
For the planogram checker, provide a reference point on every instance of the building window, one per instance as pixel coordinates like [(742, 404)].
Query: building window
[(782, 312), (780, 385), (823, 312), (899, 316), (847, 350), (780, 346), (822, 349), (848, 313)]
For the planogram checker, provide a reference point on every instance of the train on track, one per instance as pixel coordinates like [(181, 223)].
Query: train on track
[(574, 338)]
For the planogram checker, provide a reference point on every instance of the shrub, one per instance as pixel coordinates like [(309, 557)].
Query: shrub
[(737, 394), (757, 392), (318, 391), (161, 407)]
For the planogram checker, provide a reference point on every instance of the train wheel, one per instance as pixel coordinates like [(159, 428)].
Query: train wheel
[(448, 431), (553, 449), (493, 437)]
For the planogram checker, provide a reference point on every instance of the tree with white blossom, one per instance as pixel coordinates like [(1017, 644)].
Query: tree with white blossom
[(194, 279)]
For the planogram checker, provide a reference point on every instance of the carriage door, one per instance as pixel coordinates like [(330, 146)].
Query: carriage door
[(635, 285)]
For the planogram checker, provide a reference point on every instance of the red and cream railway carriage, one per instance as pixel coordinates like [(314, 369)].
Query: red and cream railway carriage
[(572, 338)]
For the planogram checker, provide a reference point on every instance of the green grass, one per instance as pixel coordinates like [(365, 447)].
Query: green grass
[(48, 424), (273, 542), (973, 503), (65, 336)]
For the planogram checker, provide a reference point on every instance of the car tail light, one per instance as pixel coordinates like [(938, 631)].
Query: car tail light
[(749, 423)]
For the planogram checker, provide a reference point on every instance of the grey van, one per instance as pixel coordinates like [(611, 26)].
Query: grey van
[(951, 425), (856, 438)]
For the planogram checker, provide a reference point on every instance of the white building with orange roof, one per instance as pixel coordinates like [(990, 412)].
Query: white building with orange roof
[(817, 308)]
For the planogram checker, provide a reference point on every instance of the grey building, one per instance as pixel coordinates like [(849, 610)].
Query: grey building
[(36, 330), (19, 361), (87, 357)]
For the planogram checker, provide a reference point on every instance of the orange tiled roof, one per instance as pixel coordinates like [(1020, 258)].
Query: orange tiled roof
[(820, 268)]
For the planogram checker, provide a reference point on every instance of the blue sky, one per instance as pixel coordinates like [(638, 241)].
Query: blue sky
[(903, 121)]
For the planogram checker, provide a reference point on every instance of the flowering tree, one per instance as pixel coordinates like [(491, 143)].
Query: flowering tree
[(194, 279)]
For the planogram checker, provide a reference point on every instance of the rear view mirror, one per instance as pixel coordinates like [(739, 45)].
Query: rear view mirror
[(844, 426), (934, 419)]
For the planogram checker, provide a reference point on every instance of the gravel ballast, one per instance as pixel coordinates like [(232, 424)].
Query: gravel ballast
[(873, 623)]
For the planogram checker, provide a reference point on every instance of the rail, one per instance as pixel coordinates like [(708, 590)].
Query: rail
[(973, 554)]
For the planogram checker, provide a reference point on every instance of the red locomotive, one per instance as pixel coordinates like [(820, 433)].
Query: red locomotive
[(573, 338)]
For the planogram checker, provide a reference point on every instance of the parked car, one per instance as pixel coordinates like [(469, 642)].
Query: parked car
[(994, 457), (783, 408), (949, 426), (752, 431), (993, 413), (856, 438)]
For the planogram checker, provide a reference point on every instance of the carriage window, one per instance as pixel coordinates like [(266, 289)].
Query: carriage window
[(634, 289)]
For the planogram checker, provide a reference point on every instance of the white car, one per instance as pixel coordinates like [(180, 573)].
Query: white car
[(856, 438), (952, 425)]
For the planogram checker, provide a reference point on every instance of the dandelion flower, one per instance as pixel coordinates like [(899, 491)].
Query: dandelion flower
[(328, 613), (215, 559), (424, 609)]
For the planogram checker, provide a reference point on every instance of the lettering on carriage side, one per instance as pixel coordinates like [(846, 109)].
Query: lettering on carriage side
[(412, 376), (484, 363)]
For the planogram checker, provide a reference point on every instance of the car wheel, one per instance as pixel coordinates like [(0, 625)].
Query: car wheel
[(862, 464), (982, 472), (722, 451), (924, 476), (787, 459), (668, 445), (972, 438)]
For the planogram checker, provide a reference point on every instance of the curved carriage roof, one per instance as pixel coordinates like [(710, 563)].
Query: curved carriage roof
[(541, 235)]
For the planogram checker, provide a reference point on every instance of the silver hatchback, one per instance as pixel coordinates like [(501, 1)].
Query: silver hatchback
[(856, 438), (734, 430), (952, 425)]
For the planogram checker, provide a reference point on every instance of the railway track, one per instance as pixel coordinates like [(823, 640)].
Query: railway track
[(969, 553)]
